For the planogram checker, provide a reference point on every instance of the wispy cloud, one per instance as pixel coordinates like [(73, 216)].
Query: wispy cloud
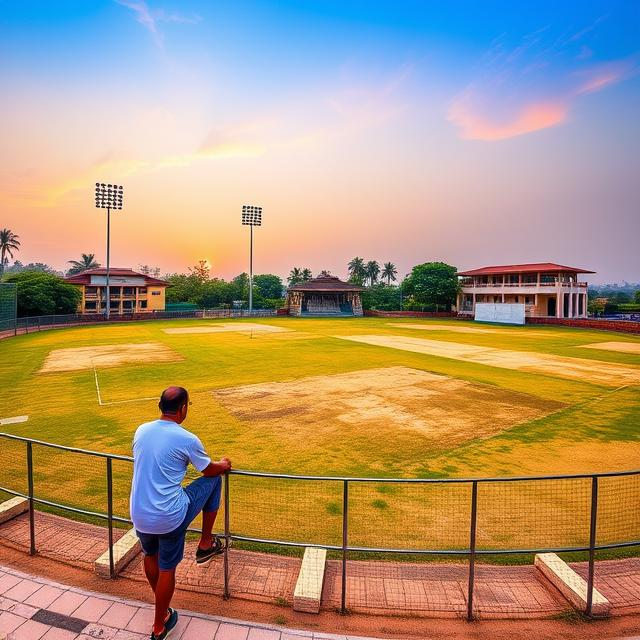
[(532, 85), (151, 18)]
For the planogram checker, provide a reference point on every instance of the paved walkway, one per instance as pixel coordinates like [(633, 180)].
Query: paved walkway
[(33, 608), (417, 589)]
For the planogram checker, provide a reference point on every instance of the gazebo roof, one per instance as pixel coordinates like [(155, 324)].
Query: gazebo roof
[(327, 283)]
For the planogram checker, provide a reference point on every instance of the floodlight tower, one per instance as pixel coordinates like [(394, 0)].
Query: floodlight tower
[(251, 217), (108, 196)]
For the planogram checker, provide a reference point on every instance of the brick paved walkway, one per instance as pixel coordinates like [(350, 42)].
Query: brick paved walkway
[(33, 608), (416, 589)]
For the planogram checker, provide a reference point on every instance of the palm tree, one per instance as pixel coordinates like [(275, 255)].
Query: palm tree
[(8, 244), (295, 276), (389, 272), (87, 261), (372, 271), (306, 274), (357, 270)]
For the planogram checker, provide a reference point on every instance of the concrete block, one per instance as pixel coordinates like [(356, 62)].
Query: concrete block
[(124, 551), (572, 586), (308, 591), (14, 507)]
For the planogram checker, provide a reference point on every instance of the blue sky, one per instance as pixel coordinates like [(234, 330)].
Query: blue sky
[(475, 133)]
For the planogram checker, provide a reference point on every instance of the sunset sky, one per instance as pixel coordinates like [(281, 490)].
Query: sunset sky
[(474, 133)]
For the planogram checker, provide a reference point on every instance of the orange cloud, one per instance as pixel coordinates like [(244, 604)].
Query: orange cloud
[(533, 117)]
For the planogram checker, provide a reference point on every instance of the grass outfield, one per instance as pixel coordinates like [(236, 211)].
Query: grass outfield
[(302, 401)]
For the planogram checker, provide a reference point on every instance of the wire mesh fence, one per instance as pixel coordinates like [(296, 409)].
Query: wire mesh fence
[(379, 533), (9, 321), (8, 306)]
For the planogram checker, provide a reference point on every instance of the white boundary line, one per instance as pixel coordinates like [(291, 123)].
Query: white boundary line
[(108, 404), (14, 420)]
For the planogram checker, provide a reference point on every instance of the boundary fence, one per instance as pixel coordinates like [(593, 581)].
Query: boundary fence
[(472, 550), (31, 324)]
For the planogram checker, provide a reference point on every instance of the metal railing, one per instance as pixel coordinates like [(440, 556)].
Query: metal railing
[(31, 324), (470, 550)]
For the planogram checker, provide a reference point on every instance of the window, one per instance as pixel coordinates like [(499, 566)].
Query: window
[(128, 291), (155, 293), (143, 304), (527, 300), (516, 298), (142, 291), (91, 291), (90, 306)]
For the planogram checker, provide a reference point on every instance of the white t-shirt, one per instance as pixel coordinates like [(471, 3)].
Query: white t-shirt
[(162, 451)]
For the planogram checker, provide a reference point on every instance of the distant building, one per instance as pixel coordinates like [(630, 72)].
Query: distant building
[(129, 291), (546, 289), (325, 295)]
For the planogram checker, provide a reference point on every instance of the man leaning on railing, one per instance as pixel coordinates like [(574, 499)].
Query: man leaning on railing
[(162, 510)]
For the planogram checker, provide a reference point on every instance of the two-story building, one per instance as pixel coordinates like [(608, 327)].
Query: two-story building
[(129, 291), (546, 289)]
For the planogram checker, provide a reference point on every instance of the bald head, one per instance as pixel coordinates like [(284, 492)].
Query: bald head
[(173, 399)]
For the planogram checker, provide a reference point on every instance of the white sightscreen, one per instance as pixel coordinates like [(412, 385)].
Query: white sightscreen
[(503, 312)]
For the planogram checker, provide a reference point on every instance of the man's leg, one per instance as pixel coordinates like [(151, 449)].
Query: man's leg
[(208, 520), (151, 570), (165, 587), (204, 495)]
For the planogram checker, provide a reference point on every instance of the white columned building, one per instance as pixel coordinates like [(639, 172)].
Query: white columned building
[(547, 290)]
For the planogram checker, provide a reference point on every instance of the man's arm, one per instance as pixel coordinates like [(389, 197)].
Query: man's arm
[(217, 468)]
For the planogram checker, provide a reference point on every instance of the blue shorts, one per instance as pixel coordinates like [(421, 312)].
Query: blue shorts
[(204, 495)]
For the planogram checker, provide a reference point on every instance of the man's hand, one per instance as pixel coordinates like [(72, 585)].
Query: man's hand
[(218, 468)]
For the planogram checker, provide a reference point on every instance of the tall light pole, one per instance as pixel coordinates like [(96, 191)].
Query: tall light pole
[(108, 196), (251, 217)]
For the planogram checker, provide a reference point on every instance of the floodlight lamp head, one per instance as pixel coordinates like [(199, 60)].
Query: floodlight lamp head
[(251, 215), (108, 196)]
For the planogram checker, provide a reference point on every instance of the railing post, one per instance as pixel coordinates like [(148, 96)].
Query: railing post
[(593, 527), (32, 524), (112, 573), (472, 549), (227, 537), (345, 538)]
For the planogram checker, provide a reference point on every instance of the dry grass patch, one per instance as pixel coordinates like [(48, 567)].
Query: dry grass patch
[(443, 327), (594, 371), (622, 347), (110, 355), (383, 401), (226, 327)]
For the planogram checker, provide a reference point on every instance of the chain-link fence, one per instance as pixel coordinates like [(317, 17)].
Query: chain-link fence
[(10, 323), (8, 307), (377, 531)]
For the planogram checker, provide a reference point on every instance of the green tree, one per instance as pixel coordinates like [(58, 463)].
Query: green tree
[(382, 297), (295, 276), (357, 270), (306, 274), (87, 261), (636, 297), (372, 271), (201, 270), (42, 293), (268, 285), (432, 284), (389, 272), (9, 242)]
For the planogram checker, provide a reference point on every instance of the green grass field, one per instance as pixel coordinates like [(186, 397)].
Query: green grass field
[(340, 407)]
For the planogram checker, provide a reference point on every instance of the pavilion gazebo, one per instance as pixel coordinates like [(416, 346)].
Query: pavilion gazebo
[(325, 295)]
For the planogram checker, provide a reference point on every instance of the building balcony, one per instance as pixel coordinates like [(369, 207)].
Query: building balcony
[(525, 287)]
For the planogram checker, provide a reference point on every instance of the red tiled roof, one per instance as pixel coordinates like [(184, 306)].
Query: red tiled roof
[(325, 283), (532, 267), (84, 277)]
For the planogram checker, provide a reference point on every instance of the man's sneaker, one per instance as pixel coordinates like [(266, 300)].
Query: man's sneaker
[(170, 623), (204, 555)]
